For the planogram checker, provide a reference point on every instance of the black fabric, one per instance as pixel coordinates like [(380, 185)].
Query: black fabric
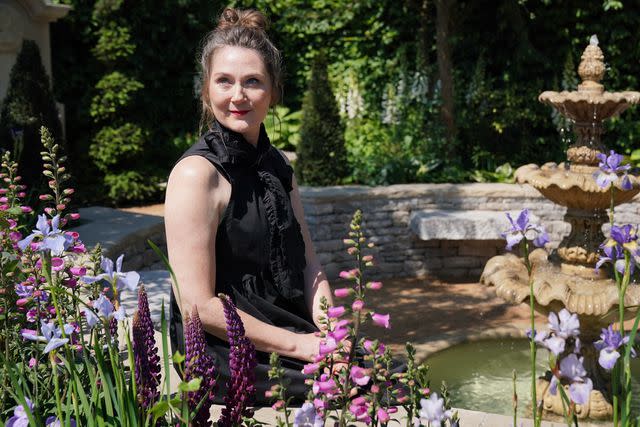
[(259, 251)]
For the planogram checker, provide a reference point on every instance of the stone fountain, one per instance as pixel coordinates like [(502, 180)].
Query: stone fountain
[(567, 277)]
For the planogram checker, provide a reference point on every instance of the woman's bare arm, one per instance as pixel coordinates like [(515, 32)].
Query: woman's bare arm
[(316, 284), (196, 197)]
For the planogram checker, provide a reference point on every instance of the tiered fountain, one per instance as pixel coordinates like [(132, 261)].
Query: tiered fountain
[(567, 277)]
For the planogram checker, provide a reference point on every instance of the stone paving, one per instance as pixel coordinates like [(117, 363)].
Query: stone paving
[(431, 314)]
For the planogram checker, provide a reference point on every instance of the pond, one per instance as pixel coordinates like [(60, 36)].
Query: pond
[(479, 375)]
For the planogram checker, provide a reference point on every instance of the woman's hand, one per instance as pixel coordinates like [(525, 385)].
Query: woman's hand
[(307, 346)]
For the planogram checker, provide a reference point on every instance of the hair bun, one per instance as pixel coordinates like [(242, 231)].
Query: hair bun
[(242, 18)]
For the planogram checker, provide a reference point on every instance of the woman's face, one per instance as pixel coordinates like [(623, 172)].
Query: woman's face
[(239, 90)]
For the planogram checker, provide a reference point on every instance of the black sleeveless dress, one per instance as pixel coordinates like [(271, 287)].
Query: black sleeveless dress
[(260, 253)]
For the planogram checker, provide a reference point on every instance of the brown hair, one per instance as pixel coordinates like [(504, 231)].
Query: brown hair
[(241, 28)]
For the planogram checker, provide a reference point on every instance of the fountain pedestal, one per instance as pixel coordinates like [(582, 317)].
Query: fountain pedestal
[(567, 278)]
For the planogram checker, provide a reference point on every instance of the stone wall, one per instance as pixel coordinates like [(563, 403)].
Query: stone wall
[(387, 211), (398, 251)]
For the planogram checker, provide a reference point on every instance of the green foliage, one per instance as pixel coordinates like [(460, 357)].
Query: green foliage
[(283, 128), (115, 145), (129, 186), (29, 104), (115, 91), (114, 43), (321, 152)]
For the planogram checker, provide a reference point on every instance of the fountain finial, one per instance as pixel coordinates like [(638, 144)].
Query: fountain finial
[(591, 68)]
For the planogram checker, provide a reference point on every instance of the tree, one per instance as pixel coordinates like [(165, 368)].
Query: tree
[(322, 157), (29, 104)]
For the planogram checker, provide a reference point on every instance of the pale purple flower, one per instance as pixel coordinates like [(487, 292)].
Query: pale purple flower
[(51, 334), (307, 416), (117, 277), (20, 417), (105, 309), (53, 421), (579, 392), (433, 410), (521, 228), (564, 324), (310, 368), (555, 345), (610, 168), (51, 237), (608, 344), (571, 367), (359, 375)]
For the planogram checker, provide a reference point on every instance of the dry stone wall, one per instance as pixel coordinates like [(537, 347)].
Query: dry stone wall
[(398, 251), (387, 212)]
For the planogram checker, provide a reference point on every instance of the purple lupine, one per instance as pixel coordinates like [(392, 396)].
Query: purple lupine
[(199, 364), (610, 166), (147, 361), (242, 363)]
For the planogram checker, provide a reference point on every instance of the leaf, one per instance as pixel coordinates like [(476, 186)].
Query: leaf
[(193, 385)]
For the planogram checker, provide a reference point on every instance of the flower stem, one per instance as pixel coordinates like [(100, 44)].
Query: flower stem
[(532, 343)]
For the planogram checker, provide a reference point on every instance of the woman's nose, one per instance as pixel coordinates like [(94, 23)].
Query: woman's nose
[(238, 93)]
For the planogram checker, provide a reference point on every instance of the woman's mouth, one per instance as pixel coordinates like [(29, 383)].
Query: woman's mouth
[(238, 113)]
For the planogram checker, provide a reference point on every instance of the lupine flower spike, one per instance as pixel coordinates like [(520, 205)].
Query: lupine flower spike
[(199, 364), (242, 363), (147, 361)]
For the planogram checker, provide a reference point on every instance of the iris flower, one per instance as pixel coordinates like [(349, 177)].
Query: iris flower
[(307, 416), (51, 334), (521, 228), (433, 410), (610, 169), (117, 277), (51, 237), (608, 344)]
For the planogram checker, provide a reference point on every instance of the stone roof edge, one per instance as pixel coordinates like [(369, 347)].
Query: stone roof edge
[(44, 10)]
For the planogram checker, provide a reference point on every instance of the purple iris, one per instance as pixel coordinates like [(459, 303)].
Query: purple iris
[(20, 417), (24, 291), (608, 344), (564, 324), (51, 334), (116, 277), (610, 168), (572, 368), (521, 228), (105, 309), (52, 238), (621, 238), (307, 416)]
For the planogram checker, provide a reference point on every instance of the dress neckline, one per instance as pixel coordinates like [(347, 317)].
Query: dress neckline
[(231, 147)]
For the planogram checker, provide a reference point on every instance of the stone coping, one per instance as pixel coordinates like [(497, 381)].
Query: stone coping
[(443, 191)]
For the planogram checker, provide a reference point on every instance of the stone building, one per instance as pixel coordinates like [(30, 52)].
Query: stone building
[(25, 19)]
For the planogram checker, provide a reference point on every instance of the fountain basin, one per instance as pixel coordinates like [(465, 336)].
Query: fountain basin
[(573, 186), (479, 375)]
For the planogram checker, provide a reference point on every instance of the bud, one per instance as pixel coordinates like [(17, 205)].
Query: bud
[(49, 211), (61, 206), (45, 197), (68, 191)]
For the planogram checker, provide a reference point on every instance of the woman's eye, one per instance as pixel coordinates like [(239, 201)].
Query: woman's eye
[(223, 81), (253, 81)]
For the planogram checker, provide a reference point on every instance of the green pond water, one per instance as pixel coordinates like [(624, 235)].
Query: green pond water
[(479, 375)]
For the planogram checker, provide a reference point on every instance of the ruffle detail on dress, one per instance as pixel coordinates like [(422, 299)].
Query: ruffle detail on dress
[(286, 244)]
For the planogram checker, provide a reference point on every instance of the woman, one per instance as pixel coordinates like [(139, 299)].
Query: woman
[(233, 215)]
